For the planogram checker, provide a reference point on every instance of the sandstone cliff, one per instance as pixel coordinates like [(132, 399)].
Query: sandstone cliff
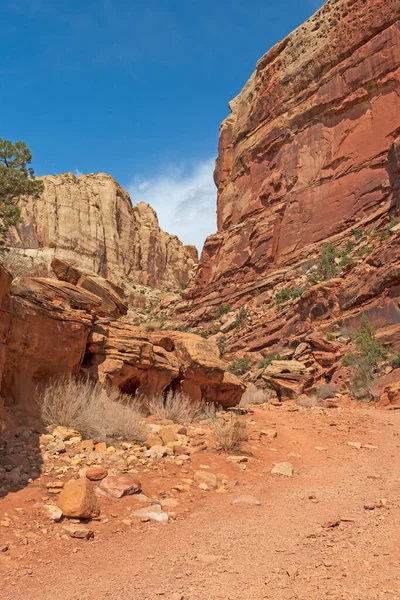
[(308, 155), (89, 220)]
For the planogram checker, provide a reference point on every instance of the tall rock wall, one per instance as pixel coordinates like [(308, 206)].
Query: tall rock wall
[(305, 154), (89, 220)]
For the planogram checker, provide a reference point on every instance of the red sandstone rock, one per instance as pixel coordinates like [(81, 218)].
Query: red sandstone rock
[(77, 499)]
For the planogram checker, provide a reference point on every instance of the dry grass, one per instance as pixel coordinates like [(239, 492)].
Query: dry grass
[(229, 432), (253, 396), (95, 411), (325, 391), (179, 408)]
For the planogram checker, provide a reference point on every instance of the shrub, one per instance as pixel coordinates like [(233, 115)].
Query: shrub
[(325, 391), (240, 366), (254, 396), (370, 349), (358, 233), (395, 362), (325, 267), (229, 432), (180, 408), (222, 344), (95, 411), (348, 360), (267, 360), (286, 294), (183, 285), (393, 222), (222, 309), (204, 334), (384, 235), (364, 251), (241, 316), (330, 337)]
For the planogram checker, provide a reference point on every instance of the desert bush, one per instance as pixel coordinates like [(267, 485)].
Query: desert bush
[(286, 294), (222, 344), (254, 396), (222, 309), (96, 411), (325, 391), (229, 432), (358, 233), (179, 408), (241, 316), (396, 361), (267, 360), (183, 285), (240, 366), (330, 337), (364, 251)]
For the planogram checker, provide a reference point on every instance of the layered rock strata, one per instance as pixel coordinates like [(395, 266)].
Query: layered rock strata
[(89, 221)]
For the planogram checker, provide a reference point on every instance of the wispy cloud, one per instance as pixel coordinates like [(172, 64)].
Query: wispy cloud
[(184, 198)]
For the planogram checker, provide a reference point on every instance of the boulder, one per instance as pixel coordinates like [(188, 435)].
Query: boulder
[(118, 486), (288, 377)]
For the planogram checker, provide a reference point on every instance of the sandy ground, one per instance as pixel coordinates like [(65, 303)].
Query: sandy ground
[(330, 532)]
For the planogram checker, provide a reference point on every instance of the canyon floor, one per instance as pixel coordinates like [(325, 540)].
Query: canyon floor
[(331, 531)]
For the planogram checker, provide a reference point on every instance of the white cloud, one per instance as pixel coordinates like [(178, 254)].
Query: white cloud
[(184, 198)]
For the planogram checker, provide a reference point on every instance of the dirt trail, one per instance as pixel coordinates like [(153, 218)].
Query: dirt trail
[(311, 538)]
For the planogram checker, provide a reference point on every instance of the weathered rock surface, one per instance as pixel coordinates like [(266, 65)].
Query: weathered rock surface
[(310, 154), (49, 331), (89, 220), (5, 326), (150, 364)]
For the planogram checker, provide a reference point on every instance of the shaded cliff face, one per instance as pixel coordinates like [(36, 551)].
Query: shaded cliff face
[(306, 153), (90, 220)]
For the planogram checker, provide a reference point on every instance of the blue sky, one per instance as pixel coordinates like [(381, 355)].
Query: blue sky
[(135, 89)]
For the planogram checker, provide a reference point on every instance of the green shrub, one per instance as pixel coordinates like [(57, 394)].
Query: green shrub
[(240, 366), (222, 344), (286, 294), (366, 250), (384, 235), (267, 360), (326, 266), (183, 285), (358, 233), (330, 337), (396, 361), (393, 222), (348, 360), (204, 334), (222, 309)]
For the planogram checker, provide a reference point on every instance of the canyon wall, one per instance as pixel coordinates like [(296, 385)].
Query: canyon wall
[(89, 221), (307, 153)]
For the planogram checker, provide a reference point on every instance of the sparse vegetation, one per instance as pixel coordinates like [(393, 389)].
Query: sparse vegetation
[(95, 411), (325, 267), (240, 366), (364, 251), (358, 233), (267, 360), (228, 432), (183, 285), (241, 316), (222, 344), (286, 294), (222, 309), (370, 352), (254, 396), (325, 391), (179, 408), (396, 361), (330, 337)]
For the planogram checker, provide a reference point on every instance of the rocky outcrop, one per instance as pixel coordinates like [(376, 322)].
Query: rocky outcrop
[(310, 155), (57, 330), (89, 221), (306, 152), (151, 364)]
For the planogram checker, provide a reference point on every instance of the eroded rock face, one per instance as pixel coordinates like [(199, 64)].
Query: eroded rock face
[(149, 364), (90, 221), (51, 321), (5, 326), (309, 148)]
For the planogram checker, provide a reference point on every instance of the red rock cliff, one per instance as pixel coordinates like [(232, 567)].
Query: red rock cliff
[(308, 150)]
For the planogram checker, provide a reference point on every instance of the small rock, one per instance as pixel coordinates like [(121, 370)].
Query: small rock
[(118, 486), (269, 433), (65, 433), (292, 572), (181, 451), (249, 500), (168, 434), (54, 513), (96, 473), (284, 468), (237, 459), (357, 445), (78, 531), (154, 513), (56, 447)]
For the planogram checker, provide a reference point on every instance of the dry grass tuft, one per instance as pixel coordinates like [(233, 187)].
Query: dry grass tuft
[(95, 411), (325, 391), (253, 396), (229, 432), (180, 408)]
